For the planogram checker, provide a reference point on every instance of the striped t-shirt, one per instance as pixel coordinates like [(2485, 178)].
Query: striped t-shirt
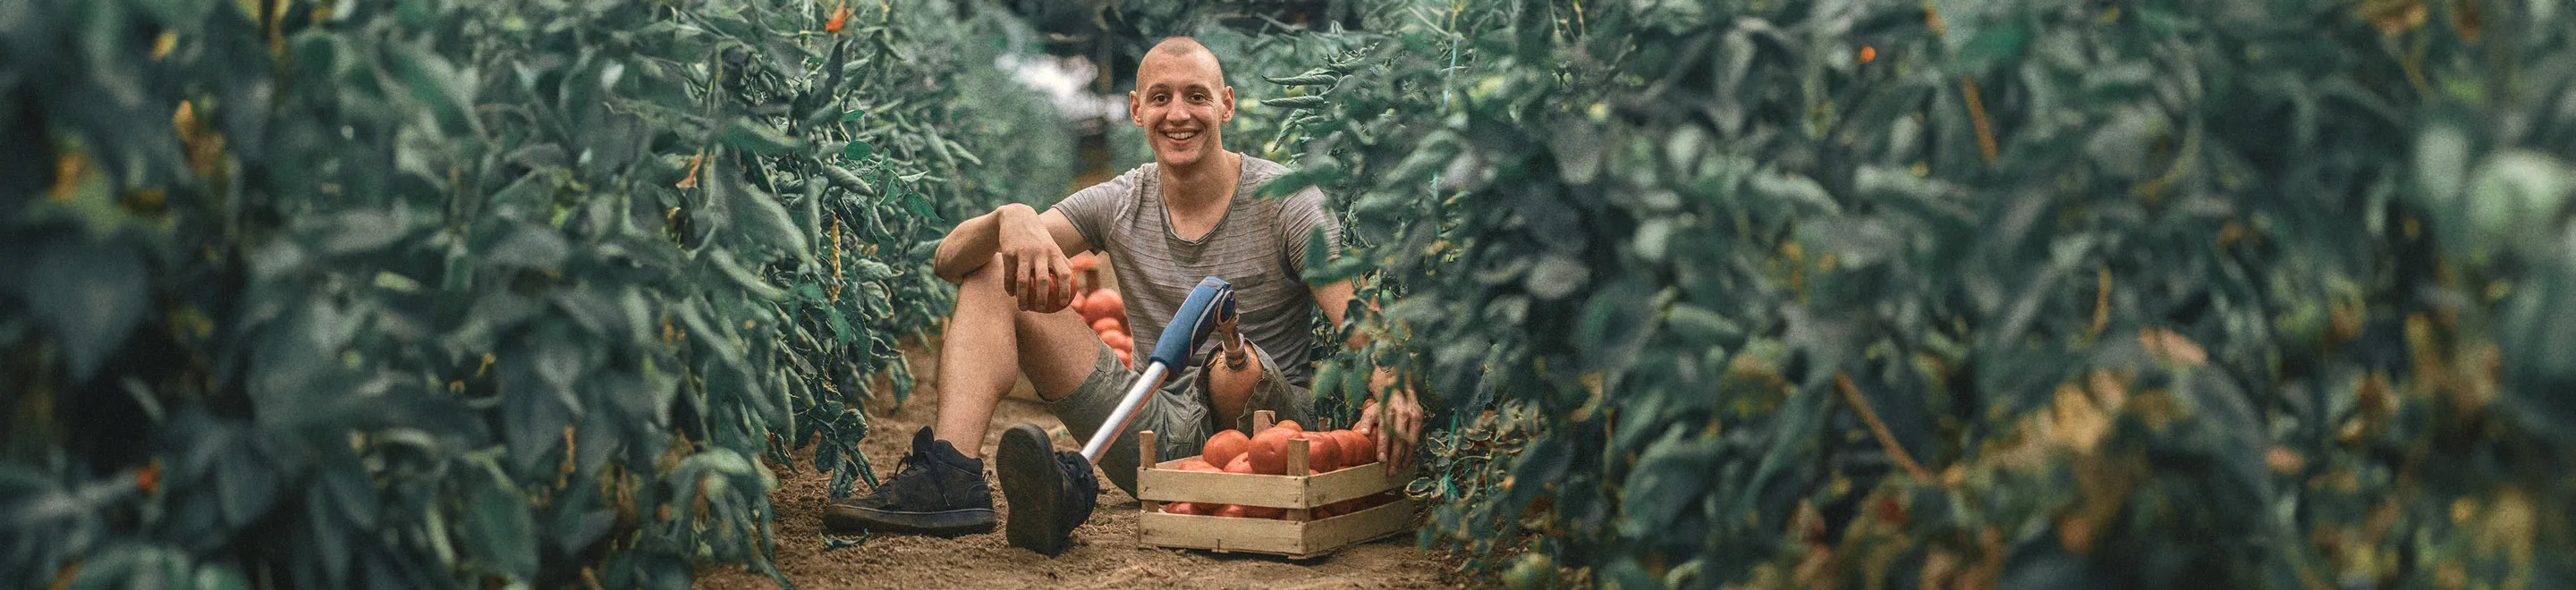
[(1259, 246)]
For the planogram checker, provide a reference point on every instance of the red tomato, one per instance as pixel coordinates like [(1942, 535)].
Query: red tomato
[(1269, 452), (1108, 303), (1357, 449), (1242, 511), (1323, 454), (1225, 446)]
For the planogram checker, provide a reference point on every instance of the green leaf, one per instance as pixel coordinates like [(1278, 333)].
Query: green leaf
[(922, 251), (1994, 46), (920, 206), (500, 532), (437, 82), (1669, 477), (1319, 253), (2515, 197), (759, 138), (1312, 78), (759, 217), (389, 281), (91, 296), (858, 150), (1295, 102), (724, 263), (1795, 191), (245, 481), (528, 246), (1701, 327), (1557, 276)]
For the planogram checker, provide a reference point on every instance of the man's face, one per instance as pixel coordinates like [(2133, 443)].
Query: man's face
[(1181, 100)]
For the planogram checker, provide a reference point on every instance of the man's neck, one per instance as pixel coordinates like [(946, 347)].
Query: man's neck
[(1203, 185)]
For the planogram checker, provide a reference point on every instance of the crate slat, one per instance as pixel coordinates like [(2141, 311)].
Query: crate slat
[(1357, 527), (1172, 485), (1355, 482), (1221, 533), (1276, 537)]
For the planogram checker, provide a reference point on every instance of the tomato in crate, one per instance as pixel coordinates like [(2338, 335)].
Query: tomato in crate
[(1307, 508)]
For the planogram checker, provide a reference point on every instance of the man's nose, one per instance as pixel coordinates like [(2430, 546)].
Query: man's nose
[(1177, 113)]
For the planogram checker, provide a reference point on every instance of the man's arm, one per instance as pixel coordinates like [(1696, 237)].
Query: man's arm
[(1031, 245), (1400, 414)]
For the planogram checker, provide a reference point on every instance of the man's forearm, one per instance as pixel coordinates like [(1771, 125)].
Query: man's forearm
[(971, 245)]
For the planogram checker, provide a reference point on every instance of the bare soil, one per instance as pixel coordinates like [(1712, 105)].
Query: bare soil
[(1105, 553)]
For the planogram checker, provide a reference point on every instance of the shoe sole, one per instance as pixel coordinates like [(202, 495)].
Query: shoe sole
[(1032, 483), (946, 523)]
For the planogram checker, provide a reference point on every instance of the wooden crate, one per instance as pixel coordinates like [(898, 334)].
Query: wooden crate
[(1300, 536)]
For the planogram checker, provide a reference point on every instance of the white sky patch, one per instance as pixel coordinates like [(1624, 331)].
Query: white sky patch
[(1066, 82)]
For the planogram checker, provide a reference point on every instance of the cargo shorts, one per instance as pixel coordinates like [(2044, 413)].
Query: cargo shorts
[(1179, 412)]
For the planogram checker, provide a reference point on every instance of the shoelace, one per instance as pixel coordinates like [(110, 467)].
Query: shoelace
[(1080, 470), (911, 461)]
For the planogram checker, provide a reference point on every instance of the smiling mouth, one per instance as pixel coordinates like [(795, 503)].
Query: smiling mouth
[(1180, 136)]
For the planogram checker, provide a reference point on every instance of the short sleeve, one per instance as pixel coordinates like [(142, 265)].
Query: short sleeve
[(1094, 210), (1300, 216)]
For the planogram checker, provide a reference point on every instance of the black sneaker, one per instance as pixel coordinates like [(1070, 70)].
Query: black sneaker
[(938, 492), (1051, 491)]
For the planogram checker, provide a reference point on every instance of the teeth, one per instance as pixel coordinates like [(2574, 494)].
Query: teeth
[(1181, 136)]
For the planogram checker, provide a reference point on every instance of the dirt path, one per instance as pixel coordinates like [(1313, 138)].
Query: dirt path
[(1105, 553)]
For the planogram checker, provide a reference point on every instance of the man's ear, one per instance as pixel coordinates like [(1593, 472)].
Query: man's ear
[(1132, 115), (1228, 115)]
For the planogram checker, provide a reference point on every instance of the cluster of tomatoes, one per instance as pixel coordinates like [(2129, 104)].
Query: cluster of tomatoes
[(1103, 309), (1267, 453)]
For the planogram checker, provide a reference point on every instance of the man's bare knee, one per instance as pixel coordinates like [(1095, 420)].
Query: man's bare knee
[(988, 276)]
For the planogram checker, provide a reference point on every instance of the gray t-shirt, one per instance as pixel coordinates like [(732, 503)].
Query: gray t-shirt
[(1259, 246)]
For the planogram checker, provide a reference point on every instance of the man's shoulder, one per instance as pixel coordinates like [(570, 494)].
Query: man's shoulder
[(1139, 175), (1263, 168), (1258, 172)]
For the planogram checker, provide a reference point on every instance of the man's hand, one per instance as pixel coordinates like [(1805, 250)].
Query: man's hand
[(1034, 268), (1396, 424)]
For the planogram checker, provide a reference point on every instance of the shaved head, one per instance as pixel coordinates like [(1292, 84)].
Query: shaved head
[(1185, 52)]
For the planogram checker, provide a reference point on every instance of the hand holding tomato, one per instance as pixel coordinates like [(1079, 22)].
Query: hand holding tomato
[(1034, 269)]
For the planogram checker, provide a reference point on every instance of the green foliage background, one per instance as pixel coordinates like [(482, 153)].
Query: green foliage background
[(2033, 293), (2038, 293), (463, 293)]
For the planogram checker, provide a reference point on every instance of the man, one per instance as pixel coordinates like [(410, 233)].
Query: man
[(1190, 214)]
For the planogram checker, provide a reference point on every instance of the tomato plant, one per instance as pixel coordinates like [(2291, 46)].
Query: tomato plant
[(435, 293), (2031, 293)]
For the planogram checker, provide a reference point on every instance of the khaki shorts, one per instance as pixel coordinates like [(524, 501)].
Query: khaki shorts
[(1178, 413)]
